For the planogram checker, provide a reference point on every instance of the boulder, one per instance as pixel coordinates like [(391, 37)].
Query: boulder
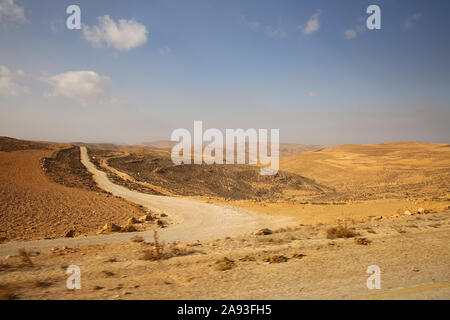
[(160, 223), (145, 218), (421, 211), (128, 228), (132, 220), (70, 234), (111, 227)]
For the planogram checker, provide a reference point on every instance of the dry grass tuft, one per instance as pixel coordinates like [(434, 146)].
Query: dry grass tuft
[(156, 252), (159, 251), (224, 264), (362, 241), (340, 232), (276, 259), (298, 256)]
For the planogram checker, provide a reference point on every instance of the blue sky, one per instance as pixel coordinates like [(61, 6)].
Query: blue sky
[(229, 63)]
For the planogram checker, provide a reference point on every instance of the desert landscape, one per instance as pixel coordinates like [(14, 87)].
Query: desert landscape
[(140, 227), (227, 151)]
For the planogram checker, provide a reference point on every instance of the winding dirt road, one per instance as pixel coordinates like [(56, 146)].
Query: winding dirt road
[(191, 219)]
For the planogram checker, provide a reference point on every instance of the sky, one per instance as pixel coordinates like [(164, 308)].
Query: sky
[(137, 70)]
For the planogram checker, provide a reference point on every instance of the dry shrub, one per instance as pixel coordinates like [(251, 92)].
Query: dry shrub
[(159, 251), (362, 241), (298, 256), (179, 250), (340, 232), (224, 264), (276, 259)]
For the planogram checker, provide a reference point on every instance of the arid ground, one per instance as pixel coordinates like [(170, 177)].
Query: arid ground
[(130, 219)]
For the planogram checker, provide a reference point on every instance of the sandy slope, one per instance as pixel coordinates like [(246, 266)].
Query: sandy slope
[(34, 207), (191, 220)]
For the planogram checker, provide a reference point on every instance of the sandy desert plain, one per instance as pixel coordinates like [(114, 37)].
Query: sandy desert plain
[(140, 227)]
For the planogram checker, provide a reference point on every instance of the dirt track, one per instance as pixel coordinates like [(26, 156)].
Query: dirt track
[(191, 220)]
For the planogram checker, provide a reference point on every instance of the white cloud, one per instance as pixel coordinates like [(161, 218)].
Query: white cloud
[(8, 84), (9, 11), (123, 35), (312, 25), (86, 87), (275, 32), (411, 21), (165, 51)]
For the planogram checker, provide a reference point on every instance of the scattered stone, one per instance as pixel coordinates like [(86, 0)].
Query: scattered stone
[(132, 220), (212, 244), (264, 232), (163, 215), (70, 234), (377, 218), (160, 223), (145, 218), (421, 211), (408, 213), (128, 228), (395, 216), (98, 288), (111, 227)]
